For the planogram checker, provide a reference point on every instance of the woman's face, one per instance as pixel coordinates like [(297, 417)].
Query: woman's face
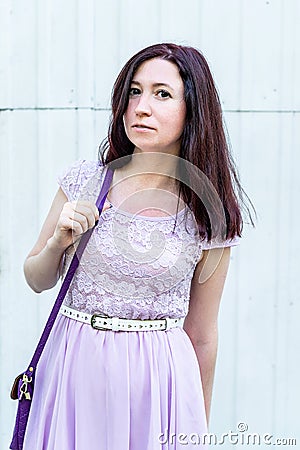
[(155, 116)]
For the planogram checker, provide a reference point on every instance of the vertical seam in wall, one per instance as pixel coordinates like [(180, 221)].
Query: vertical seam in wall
[(36, 115), (119, 28), (76, 87), (159, 20), (275, 330), (9, 40), (240, 49), (36, 46), (293, 65), (236, 340), (94, 70), (236, 319), (37, 133), (291, 249), (199, 13), (276, 305), (9, 152)]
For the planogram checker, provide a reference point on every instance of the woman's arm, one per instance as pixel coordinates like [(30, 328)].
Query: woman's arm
[(65, 222), (201, 323)]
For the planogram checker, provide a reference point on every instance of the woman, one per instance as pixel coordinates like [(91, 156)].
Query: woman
[(160, 252)]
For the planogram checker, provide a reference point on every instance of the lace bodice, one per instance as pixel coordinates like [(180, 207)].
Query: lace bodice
[(134, 266)]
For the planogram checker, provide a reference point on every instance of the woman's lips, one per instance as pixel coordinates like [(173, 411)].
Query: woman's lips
[(142, 127)]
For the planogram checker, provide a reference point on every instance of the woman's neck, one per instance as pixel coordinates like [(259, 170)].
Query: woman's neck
[(157, 170)]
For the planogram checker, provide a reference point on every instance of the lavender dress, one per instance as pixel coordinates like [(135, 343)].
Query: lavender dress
[(106, 390)]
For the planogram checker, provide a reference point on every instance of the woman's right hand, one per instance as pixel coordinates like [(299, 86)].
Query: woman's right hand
[(75, 219), (64, 224)]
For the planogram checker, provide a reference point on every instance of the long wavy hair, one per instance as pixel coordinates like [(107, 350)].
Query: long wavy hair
[(203, 142)]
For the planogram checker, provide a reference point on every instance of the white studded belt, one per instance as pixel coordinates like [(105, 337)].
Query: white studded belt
[(99, 322)]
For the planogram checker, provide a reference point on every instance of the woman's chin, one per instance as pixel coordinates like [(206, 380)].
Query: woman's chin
[(156, 149)]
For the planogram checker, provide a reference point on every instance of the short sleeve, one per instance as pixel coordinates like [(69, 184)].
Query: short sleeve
[(76, 177), (215, 243)]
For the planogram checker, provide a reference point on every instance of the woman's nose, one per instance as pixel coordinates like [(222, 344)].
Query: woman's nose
[(143, 106)]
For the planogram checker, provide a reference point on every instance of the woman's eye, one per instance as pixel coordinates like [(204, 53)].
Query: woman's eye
[(134, 91), (163, 94)]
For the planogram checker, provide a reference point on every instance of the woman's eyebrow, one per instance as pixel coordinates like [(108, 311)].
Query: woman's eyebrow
[(154, 84)]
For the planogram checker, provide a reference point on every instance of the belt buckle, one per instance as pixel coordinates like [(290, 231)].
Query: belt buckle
[(93, 320), (166, 325), (168, 322)]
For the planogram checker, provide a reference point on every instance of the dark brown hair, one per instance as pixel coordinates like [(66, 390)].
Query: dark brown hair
[(203, 143)]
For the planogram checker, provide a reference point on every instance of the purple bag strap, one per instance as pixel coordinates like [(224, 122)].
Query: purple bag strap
[(69, 276)]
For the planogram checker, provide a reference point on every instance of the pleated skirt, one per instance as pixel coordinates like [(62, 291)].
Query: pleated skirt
[(106, 390)]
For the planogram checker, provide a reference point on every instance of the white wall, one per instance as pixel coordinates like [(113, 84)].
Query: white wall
[(58, 61)]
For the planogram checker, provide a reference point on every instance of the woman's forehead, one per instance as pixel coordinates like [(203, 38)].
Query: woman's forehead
[(158, 71)]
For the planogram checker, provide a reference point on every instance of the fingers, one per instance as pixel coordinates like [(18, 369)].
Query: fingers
[(85, 213), (85, 206), (75, 219), (87, 209), (79, 216), (80, 222)]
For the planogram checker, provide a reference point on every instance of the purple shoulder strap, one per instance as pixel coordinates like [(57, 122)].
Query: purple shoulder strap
[(69, 275)]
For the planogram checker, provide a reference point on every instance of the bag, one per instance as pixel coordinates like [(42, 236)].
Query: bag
[(23, 387)]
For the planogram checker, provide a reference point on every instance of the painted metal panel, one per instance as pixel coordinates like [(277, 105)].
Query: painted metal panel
[(220, 41), (259, 337), (106, 50), (57, 66), (5, 54), (139, 26), (180, 23)]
